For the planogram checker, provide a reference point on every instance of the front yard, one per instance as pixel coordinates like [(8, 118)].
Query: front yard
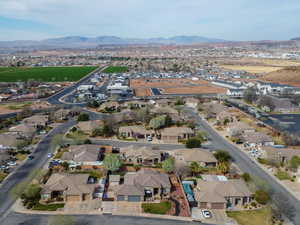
[(49, 207), (252, 217), (157, 208)]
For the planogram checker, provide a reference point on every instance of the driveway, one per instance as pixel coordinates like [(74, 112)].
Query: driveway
[(81, 207)]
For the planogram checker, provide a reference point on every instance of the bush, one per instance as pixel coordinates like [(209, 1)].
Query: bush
[(193, 143), (262, 197), (157, 208), (87, 142), (246, 177), (50, 207), (83, 117)]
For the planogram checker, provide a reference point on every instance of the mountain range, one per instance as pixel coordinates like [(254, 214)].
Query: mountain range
[(87, 42)]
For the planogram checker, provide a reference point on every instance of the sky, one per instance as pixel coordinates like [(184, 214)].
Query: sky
[(225, 19)]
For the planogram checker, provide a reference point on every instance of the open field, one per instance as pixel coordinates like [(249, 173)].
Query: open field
[(140, 92), (252, 217), (194, 90), (288, 75), (45, 74), (174, 86), (252, 69), (116, 69)]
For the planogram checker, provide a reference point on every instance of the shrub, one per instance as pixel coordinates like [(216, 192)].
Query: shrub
[(193, 143), (262, 197), (83, 117), (246, 177)]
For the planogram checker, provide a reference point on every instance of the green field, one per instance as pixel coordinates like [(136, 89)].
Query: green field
[(116, 69), (44, 74)]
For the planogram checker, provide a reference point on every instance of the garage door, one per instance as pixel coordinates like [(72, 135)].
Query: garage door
[(121, 198), (203, 205), (217, 205), (134, 198)]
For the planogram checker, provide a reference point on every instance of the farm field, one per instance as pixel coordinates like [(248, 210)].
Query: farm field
[(141, 92), (116, 69), (44, 74), (252, 69)]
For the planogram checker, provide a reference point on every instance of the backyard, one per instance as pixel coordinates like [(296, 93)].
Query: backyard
[(44, 74)]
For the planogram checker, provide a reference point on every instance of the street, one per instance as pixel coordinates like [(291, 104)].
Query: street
[(287, 200)]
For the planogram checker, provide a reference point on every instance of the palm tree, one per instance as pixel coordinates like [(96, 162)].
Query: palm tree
[(195, 168)]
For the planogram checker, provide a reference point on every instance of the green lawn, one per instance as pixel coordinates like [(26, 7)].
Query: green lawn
[(156, 208), (45, 74), (283, 175), (116, 69), (252, 217), (50, 207)]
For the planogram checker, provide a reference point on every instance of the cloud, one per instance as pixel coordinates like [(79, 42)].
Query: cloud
[(228, 19)]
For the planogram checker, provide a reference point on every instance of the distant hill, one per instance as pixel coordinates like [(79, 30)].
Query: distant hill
[(86, 42), (288, 75), (296, 39)]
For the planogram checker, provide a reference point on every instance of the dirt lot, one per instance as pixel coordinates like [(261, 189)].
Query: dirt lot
[(142, 92), (174, 86), (18, 106), (252, 69)]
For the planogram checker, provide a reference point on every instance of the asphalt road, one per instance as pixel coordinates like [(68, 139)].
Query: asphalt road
[(23, 219), (54, 99), (23, 171), (283, 199)]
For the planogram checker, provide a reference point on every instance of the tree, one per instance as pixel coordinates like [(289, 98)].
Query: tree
[(246, 177), (223, 167), (112, 162), (168, 121), (32, 193), (107, 130), (294, 163), (179, 101), (158, 122), (195, 168), (97, 132), (168, 165), (93, 104), (262, 197), (266, 101), (193, 143), (250, 95), (83, 117), (290, 139), (222, 156)]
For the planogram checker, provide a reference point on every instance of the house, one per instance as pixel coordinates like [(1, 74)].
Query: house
[(238, 128), (222, 194), (167, 110), (135, 132), (282, 104), (257, 139), (281, 155), (136, 104), (88, 126), (176, 134), (10, 140), (110, 106), (114, 180), (37, 121), (63, 187), (270, 88), (163, 102), (212, 109), (140, 155), (61, 114), (186, 156), (235, 92), (225, 115), (144, 185), (23, 130), (84, 155), (192, 102)]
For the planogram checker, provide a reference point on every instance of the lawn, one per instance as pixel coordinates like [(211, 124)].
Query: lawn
[(21, 156), (283, 175), (2, 176), (252, 217), (45, 74), (116, 69), (50, 207), (156, 208)]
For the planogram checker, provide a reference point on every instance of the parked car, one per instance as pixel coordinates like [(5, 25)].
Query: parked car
[(49, 155), (30, 157), (206, 214), (149, 138), (11, 163)]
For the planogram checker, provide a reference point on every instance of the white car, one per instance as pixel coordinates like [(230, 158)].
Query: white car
[(206, 214), (149, 138), (49, 155), (11, 163)]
